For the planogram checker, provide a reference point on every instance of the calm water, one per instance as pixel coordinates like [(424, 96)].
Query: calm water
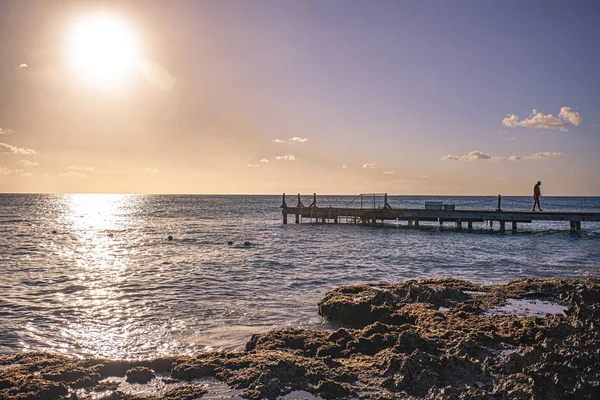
[(109, 283)]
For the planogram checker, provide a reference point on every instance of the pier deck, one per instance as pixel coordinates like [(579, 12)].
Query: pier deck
[(371, 216)]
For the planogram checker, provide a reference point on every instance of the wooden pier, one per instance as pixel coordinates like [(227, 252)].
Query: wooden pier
[(371, 216)]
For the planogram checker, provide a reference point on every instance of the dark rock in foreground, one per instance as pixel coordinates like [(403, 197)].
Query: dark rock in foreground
[(139, 375), (436, 338)]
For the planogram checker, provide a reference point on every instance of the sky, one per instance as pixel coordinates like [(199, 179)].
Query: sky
[(271, 96)]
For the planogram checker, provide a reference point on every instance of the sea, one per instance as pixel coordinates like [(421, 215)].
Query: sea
[(97, 275)]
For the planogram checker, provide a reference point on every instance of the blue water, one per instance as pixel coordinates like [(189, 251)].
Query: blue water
[(109, 283)]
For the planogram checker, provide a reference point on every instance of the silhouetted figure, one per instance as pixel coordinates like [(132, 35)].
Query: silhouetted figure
[(537, 193)]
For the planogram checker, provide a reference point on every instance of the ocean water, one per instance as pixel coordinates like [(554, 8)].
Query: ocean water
[(96, 274)]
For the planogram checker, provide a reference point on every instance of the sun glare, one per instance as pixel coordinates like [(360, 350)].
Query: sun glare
[(102, 49)]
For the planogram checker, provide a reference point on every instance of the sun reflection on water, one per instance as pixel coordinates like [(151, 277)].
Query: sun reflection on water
[(102, 324)]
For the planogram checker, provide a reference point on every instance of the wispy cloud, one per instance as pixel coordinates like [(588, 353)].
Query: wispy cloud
[(23, 65), (8, 149), (388, 173), (4, 131), (291, 140), (253, 165), (72, 175), (544, 154), (344, 166), (8, 171), (26, 163), (151, 170), (287, 157), (77, 168), (450, 157), (478, 155), (369, 165), (297, 139), (264, 160), (539, 120)]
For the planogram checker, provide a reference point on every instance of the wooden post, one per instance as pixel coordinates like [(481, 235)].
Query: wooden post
[(416, 222), (410, 222), (578, 226), (297, 218), (283, 205), (458, 224), (470, 224), (284, 216), (502, 226), (314, 203), (499, 201), (575, 226), (385, 202), (514, 226)]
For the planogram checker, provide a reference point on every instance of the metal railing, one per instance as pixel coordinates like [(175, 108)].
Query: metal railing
[(364, 198)]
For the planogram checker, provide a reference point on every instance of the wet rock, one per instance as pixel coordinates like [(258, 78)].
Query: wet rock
[(188, 392), (332, 390), (400, 345), (139, 375), (192, 369)]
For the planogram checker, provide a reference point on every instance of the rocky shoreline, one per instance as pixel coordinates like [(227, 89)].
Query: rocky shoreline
[(434, 338)]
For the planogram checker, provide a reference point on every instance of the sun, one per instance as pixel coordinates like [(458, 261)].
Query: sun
[(102, 49)]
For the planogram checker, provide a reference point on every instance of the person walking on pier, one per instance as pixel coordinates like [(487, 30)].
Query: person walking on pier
[(537, 193)]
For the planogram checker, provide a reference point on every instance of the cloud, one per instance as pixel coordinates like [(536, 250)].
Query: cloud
[(479, 155), (297, 139), (23, 65), (423, 176), (72, 175), (8, 149), (151, 170), (264, 160), (388, 173), (8, 171), (548, 121), (450, 157), (26, 163), (253, 165), (572, 116), (77, 168), (287, 157), (345, 166), (544, 154), (369, 165), (291, 140), (5, 131)]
